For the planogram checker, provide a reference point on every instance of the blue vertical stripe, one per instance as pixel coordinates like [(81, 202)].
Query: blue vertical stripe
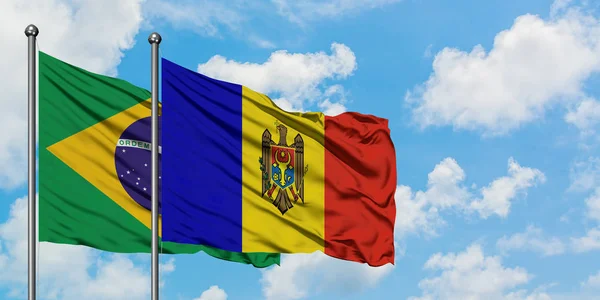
[(201, 159)]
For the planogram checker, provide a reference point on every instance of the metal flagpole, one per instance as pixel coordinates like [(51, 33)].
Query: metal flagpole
[(31, 32), (154, 40)]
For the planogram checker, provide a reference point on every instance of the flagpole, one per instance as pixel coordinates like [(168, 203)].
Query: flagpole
[(154, 39), (31, 32)]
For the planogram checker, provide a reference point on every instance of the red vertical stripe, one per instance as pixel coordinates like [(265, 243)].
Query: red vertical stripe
[(360, 181)]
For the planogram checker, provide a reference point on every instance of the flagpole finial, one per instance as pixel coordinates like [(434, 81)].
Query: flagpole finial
[(154, 38), (32, 30)]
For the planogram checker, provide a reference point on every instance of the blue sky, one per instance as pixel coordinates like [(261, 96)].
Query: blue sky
[(493, 110)]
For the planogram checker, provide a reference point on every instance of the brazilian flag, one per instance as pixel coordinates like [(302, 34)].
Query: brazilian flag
[(95, 168)]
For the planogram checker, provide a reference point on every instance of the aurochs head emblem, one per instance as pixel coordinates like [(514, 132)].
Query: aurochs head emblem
[(283, 169)]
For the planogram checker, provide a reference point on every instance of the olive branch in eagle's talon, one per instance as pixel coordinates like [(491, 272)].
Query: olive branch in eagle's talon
[(265, 175)]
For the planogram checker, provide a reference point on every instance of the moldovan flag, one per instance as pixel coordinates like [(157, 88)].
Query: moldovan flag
[(94, 164), (241, 174)]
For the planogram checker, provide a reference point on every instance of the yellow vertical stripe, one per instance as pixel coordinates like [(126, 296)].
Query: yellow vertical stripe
[(265, 229)]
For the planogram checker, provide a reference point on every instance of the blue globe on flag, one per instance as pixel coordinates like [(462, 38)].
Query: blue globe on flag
[(133, 162)]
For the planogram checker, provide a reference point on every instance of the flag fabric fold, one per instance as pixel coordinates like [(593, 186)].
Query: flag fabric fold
[(94, 165), (241, 174)]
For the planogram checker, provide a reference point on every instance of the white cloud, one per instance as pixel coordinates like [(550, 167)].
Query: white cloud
[(559, 6), (589, 242), (593, 205), (301, 11), (533, 239), (209, 18), (203, 17), (496, 197), (415, 214), (334, 100), (427, 53), (296, 78), (69, 272), (420, 211), (117, 278), (331, 109), (261, 42), (586, 116), (588, 291), (303, 274), (471, 275), (593, 282), (213, 293), (164, 268), (74, 31), (167, 267), (446, 190), (524, 295), (533, 66), (213, 18), (585, 175)]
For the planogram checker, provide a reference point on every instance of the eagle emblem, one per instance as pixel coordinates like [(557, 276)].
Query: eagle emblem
[(283, 169)]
